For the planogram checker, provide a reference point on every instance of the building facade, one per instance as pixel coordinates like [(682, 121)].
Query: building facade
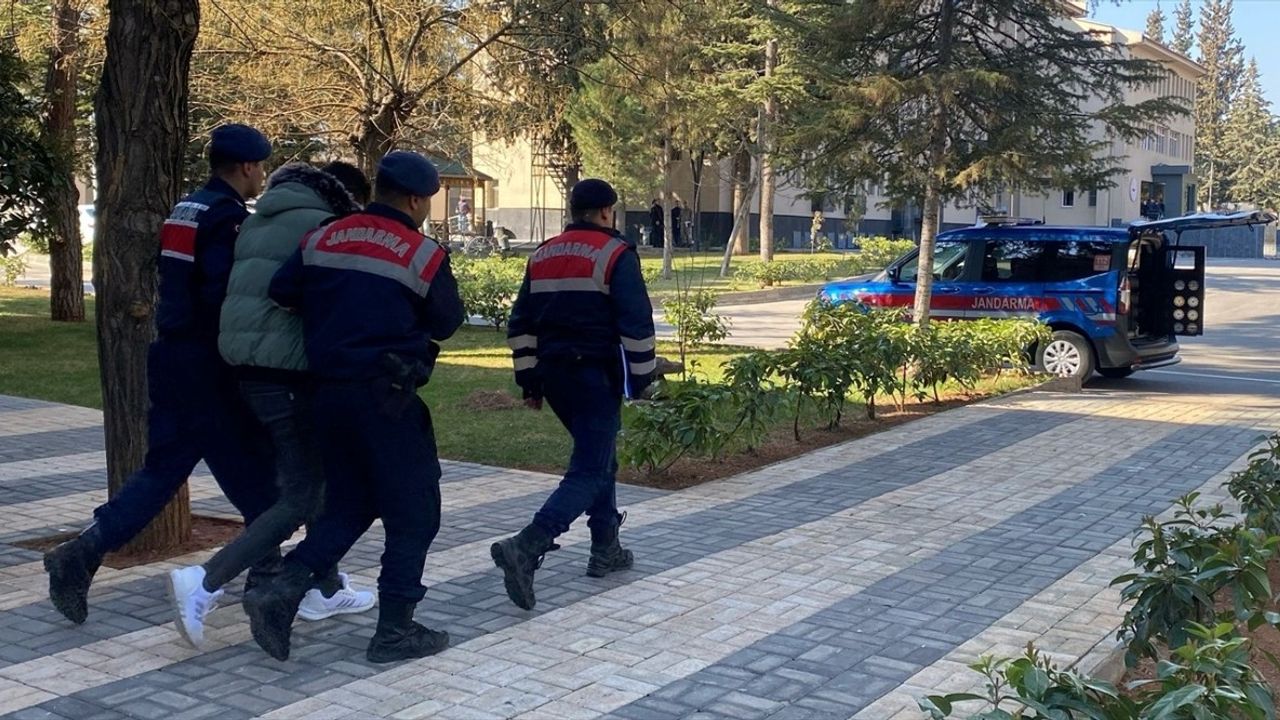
[(525, 196)]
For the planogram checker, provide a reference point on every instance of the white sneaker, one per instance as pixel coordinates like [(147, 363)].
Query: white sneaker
[(191, 603), (315, 606)]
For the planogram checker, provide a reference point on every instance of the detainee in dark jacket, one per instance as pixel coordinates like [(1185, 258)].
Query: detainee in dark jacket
[(581, 335), (263, 344), (375, 297)]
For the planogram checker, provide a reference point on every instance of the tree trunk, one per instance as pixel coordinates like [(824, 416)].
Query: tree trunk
[(740, 238), (668, 237), (141, 111), (739, 226), (937, 172), (696, 169), (768, 184), (66, 299)]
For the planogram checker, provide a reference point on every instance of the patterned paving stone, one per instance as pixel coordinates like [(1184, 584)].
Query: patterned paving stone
[(840, 583)]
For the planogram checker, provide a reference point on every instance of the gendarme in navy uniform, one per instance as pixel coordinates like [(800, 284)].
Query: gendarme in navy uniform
[(195, 412), (375, 297), (581, 333)]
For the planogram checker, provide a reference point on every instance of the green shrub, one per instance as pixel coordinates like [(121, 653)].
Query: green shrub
[(1032, 688), (488, 286), (876, 253), (692, 314), (12, 267), (766, 274)]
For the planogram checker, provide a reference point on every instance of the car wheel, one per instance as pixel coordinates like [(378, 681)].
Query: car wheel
[(1115, 373), (1067, 354)]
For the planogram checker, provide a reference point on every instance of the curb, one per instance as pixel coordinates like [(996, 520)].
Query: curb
[(1104, 662), (751, 297)]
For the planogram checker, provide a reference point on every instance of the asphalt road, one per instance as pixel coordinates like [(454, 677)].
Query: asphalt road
[(1238, 354)]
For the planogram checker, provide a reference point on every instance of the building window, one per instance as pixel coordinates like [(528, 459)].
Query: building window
[(1068, 198), (1093, 198), (1162, 146), (1175, 144)]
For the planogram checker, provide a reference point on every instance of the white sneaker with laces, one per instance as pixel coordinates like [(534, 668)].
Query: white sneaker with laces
[(191, 603), (315, 606)]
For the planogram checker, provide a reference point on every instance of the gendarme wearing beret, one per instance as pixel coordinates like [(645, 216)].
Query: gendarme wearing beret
[(409, 173), (592, 194), (239, 143)]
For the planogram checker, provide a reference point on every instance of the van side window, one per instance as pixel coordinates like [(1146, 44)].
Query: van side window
[(1044, 261), (1012, 261), (1076, 259)]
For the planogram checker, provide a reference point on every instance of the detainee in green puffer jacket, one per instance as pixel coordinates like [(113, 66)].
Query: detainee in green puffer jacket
[(263, 343)]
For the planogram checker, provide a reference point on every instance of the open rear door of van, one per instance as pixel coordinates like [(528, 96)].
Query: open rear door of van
[(1181, 267)]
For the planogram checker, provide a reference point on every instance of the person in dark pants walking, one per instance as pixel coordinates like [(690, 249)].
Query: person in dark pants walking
[(656, 225), (195, 412), (375, 297), (582, 338), (263, 344)]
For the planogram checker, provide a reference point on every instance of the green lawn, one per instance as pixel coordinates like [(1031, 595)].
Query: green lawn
[(702, 270), (58, 362), (471, 395)]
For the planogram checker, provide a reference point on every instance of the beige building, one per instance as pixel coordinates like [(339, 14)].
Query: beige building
[(523, 193)]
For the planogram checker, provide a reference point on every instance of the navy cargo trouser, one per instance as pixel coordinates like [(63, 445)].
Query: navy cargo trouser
[(586, 396), (380, 461), (195, 414)]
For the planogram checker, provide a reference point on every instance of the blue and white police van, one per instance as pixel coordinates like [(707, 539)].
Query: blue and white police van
[(1116, 298)]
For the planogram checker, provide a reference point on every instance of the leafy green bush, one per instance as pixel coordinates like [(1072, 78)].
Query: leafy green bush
[(878, 252), (683, 418), (12, 267), (757, 400), (692, 314), (1257, 488), (1182, 566), (488, 286), (840, 350), (1032, 688), (766, 274), (1210, 676)]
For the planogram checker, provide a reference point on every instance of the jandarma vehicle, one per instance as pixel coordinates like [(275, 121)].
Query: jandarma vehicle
[(1115, 298)]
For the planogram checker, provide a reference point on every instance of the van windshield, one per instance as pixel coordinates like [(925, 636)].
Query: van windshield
[(948, 263)]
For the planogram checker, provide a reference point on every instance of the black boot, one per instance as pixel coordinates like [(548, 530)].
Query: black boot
[(271, 605), (71, 567), (398, 637), (518, 557), (607, 554)]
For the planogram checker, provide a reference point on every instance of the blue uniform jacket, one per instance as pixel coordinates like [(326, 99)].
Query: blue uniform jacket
[(583, 297), (369, 285), (197, 249)]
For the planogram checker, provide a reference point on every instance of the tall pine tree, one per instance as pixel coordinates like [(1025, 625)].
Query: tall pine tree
[(1222, 55), (1183, 31), (1251, 146), (940, 92), (1155, 24)]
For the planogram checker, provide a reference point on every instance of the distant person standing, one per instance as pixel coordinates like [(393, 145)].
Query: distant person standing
[(677, 228), (464, 214), (655, 225)]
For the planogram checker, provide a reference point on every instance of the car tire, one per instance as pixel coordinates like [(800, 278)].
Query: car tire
[(1115, 373), (1066, 354)]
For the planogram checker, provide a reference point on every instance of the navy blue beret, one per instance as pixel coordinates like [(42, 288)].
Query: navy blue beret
[(592, 194), (408, 172), (239, 143)]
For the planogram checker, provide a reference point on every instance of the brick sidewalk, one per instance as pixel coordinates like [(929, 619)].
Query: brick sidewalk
[(844, 583)]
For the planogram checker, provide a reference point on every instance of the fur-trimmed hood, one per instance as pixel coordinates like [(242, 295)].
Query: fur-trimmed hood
[(299, 185)]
